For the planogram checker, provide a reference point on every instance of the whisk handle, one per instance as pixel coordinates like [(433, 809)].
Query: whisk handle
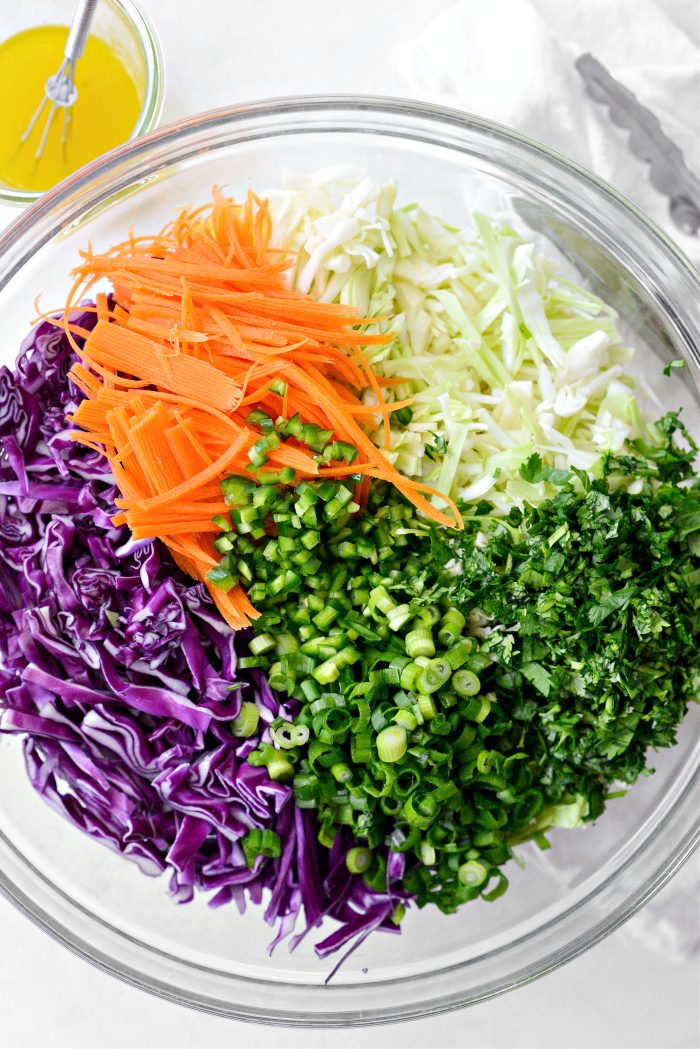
[(80, 29)]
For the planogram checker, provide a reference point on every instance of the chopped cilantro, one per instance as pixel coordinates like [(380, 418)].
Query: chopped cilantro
[(594, 599)]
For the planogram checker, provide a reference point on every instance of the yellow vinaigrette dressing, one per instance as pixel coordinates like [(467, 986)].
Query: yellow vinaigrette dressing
[(103, 116)]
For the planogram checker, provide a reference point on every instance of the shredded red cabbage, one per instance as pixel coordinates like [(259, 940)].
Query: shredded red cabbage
[(117, 669)]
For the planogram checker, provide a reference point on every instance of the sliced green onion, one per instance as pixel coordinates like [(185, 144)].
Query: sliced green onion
[(465, 683), (277, 679), (419, 813), (426, 706), (327, 701), (341, 772), (409, 675), (360, 748), (465, 740), (427, 853), (300, 735), (407, 719), (380, 598), (285, 644), (261, 643), (324, 619), (483, 761), (419, 642), (391, 743), (458, 655), (284, 735), (500, 888), (434, 676), (280, 768), (485, 709), (246, 724), (251, 662), (296, 664), (327, 835), (430, 615), (451, 626), (385, 732), (472, 873), (358, 860), (398, 617), (260, 843), (327, 672)]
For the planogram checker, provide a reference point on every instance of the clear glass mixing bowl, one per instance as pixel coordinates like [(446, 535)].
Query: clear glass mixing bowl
[(560, 902)]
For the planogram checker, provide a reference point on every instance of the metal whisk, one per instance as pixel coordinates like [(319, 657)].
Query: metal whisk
[(60, 91)]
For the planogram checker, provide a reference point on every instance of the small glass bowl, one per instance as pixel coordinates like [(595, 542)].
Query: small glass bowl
[(122, 24)]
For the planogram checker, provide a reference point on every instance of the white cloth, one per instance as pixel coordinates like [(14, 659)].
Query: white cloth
[(513, 62)]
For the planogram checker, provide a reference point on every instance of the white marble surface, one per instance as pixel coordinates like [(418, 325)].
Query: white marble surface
[(621, 994)]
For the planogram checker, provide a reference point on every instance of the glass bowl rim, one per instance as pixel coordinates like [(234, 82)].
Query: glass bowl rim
[(136, 145), (153, 96), (68, 192)]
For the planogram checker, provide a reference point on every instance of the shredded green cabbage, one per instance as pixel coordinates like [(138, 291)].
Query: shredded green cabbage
[(502, 355)]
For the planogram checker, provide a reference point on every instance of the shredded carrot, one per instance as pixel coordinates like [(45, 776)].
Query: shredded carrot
[(200, 324)]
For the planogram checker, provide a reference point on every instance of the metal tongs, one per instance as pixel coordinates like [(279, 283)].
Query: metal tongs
[(668, 170), (60, 90)]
